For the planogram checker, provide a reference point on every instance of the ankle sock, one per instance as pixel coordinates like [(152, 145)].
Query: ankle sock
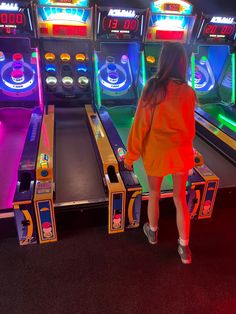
[(154, 229), (183, 242)]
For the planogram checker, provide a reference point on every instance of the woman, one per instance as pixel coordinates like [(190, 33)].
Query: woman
[(162, 134)]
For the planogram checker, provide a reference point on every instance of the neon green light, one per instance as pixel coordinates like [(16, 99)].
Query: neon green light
[(193, 70), (98, 90), (143, 69), (204, 58), (233, 78), (227, 120)]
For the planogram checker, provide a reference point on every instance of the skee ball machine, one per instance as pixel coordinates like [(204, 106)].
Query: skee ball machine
[(173, 21), (212, 75), (86, 169), (119, 34), (20, 114), (65, 33)]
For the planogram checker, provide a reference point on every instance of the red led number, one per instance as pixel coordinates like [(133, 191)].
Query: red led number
[(63, 1), (227, 30), (112, 24), (130, 24), (212, 29), (19, 19), (127, 24), (171, 7), (13, 19)]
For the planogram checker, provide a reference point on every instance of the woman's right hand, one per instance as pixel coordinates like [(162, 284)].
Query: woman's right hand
[(128, 167)]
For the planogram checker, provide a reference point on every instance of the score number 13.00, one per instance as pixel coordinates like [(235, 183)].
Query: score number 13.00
[(121, 24)]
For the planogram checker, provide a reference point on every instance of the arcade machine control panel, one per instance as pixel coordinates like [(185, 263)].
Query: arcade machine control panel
[(66, 62)]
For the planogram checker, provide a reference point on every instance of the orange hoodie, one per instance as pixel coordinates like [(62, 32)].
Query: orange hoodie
[(163, 136)]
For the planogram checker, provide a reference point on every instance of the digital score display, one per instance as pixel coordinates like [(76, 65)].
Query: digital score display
[(170, 27), (219, 29), (63, 1), (12, 18), (120, 24), (182, 7), (64, 21), (173, 7), (166, 35), (16, 22), (222, 31), (68, 30)]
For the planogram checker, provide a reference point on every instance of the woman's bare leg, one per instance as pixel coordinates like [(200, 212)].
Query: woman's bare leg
[(153, 202), (182, 213)]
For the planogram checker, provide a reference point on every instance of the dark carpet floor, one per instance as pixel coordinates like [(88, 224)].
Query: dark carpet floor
[(88, 271)]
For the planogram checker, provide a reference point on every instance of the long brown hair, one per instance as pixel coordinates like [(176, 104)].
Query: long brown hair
[(172, 64)]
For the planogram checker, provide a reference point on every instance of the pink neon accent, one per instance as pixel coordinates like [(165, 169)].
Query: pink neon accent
[(13, 132), (39, 81)]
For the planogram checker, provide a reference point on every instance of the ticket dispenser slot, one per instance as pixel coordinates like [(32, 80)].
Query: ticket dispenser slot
[(25, 182), (112, 174)]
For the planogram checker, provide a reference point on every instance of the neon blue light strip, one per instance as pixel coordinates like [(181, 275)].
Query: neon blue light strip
[(74, 3), (67, 14), (171, 22)]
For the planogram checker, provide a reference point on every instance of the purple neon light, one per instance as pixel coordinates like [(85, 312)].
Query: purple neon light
[(14, 123), (13, 131), (39, 81)]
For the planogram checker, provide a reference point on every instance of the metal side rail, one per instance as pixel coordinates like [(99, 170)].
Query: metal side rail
[(23, 199), (120, 216), (130, 179), (217, 138), (43, 196)]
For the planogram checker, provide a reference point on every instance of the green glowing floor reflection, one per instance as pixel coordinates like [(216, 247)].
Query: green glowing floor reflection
[(218, 111), (122, 118)]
